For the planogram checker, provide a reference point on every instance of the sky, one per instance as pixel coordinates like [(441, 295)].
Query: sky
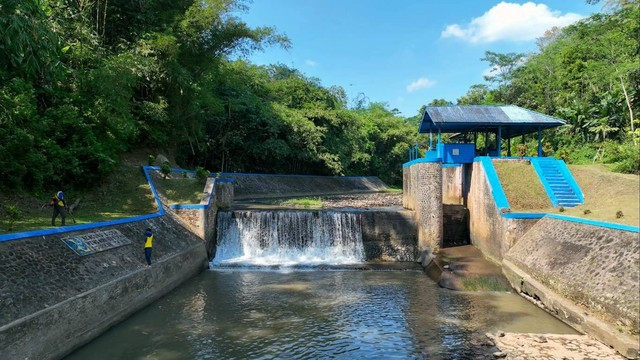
[(404, 53)]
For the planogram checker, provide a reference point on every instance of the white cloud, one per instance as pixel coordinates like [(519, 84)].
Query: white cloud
[(421, 83), (310, 62), (511, 21)]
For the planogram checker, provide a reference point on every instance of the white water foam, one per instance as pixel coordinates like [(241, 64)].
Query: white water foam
[(288, 238)]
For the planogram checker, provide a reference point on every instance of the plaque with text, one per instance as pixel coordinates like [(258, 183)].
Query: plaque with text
[(92, 243)]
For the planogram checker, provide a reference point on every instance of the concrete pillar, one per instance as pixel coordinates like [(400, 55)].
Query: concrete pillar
[(405, 186), (428, 190)]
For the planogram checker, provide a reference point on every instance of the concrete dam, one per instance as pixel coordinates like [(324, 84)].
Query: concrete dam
[(290, 282), (288, 237)]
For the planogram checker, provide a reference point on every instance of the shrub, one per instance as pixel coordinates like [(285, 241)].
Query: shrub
[(150, 160), (624, 157), (564, 155), (561, 208), (619, 214), (13, 214), (201, 173), (522, 150), (165, 169), (580, 155), (586, 212)]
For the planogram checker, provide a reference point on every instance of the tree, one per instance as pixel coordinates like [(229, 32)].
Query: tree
[(440, 102)]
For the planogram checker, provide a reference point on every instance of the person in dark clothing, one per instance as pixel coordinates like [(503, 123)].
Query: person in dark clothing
[(59, 207), (148, 243)]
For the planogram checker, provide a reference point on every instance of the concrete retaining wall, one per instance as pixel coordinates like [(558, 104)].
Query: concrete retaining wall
[(53, 300), (201, 219), (452, 184), (256, 186), (586, 275), (493, 234), (389, 235)]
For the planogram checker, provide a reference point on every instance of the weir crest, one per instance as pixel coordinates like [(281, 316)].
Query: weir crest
[(288, 238)]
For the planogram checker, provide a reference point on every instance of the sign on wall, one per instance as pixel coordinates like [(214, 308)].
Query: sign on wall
[(92, 243)]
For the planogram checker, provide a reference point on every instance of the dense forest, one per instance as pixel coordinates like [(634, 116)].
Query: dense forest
[(83, 82), (587, 74)]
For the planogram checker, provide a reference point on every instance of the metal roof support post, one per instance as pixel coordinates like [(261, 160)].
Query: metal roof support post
[(486, 142), (475, 141), (499, 141), (430, 140), (508, 146), (539, 142), (439, 141)]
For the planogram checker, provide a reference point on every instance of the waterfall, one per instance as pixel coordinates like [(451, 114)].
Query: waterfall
[(288, 238)]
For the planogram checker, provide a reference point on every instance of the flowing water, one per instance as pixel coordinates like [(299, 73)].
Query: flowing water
[(288, 238), (238, 314), (242, 312)]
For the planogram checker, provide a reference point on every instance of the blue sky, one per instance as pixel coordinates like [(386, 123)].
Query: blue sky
[(405, 53)]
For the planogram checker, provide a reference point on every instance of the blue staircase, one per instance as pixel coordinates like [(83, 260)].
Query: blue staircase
[(558, 182)]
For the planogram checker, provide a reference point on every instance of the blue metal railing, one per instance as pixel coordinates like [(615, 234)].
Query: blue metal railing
[(414, 152)]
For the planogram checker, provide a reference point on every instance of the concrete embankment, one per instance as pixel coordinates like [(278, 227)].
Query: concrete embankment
[(53, 300), (255, 186), (586, 275), (489, 231)]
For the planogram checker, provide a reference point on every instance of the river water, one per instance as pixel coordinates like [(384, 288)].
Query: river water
[(311, 314)]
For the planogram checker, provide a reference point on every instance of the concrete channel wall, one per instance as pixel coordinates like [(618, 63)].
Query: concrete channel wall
[(389, 235), (423, 193), (490, 231), (256, 186), (586, 275), (584, 272), (54, 300), (453, 184), (201, 218)]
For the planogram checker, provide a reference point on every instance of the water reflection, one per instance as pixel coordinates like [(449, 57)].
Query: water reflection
[(344, 314)]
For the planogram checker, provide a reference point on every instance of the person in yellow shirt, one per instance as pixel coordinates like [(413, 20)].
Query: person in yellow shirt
[(148, 244), (59, 207)]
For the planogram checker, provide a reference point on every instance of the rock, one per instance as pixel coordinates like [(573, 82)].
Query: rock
[(540, 339), (499, 354), (500, 333), (161, 159)]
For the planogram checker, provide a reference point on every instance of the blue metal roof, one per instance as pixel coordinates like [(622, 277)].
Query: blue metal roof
[(514, 120)]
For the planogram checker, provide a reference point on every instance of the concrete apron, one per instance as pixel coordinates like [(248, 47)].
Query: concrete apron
[(569, 313)]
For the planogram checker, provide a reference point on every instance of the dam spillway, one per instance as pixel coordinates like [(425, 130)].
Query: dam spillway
[(288, 238)]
